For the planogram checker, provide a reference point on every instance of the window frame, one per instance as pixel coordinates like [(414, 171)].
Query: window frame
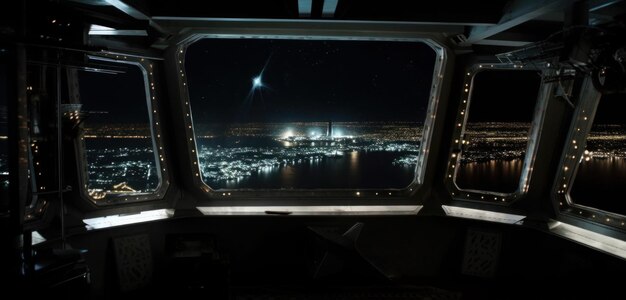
[(146, 67), (464, 109), (582, 118), (339, 197)]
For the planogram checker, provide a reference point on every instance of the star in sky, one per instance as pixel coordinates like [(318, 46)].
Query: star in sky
[(256, 82)]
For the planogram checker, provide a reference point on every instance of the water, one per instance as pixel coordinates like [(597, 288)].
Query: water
[(494, 175), (600, 183), (268, 163)]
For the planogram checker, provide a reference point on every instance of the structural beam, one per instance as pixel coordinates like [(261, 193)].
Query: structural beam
[(129, 10), (598, 11), (600, 4), (517, 12), (502, 43), (511, 39), (135, 13), (186, 28)]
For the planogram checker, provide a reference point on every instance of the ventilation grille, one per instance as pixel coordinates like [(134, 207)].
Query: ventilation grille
[(482, 250), (134, 261)]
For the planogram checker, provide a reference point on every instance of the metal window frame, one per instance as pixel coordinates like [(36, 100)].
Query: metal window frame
[(331, 196), (454, 161), (151, 91)]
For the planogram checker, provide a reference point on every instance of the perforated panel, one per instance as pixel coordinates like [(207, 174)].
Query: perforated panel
[(482, 249), (134, 261)]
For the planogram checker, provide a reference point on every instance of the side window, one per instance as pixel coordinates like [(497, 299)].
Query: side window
[(493, 146), (121, 144)]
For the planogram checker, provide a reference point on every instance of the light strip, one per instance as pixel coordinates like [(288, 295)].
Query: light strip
[(118, 220), (36, 238), (127, 9), (95, 29), (304, 8), (589, 238), (123, 32), (328, 11), (485, 215), (275, 21), (311, 210)]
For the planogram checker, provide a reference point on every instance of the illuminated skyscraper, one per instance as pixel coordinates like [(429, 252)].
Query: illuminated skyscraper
[(329, 129)]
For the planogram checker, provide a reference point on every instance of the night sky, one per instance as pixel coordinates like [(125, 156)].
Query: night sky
[(611, 109), (307, 80), (121, 95), (504, 96), (510, 96)]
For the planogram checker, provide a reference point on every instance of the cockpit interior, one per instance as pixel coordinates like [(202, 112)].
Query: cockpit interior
[(313, 149)]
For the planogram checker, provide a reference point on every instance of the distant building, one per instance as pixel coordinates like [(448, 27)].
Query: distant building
[(329, 129)]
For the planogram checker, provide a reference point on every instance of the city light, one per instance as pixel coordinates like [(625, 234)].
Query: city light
[(288, 134), (115, 167), (302, 144)]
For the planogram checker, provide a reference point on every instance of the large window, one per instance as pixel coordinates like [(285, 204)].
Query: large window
[(309, 114), (123, 158), (601, 173), (491, 160)]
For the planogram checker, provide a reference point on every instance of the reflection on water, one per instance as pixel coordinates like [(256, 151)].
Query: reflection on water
[(354, 169), (493, 156), (495, 175), (601, 183), (601, 177)]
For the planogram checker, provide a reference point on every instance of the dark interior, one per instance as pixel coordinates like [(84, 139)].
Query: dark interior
[(186, 239)]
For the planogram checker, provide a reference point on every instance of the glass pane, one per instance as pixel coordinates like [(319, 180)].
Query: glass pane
[(117, 131), (290, 114), (500, 113), (601, 175)]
